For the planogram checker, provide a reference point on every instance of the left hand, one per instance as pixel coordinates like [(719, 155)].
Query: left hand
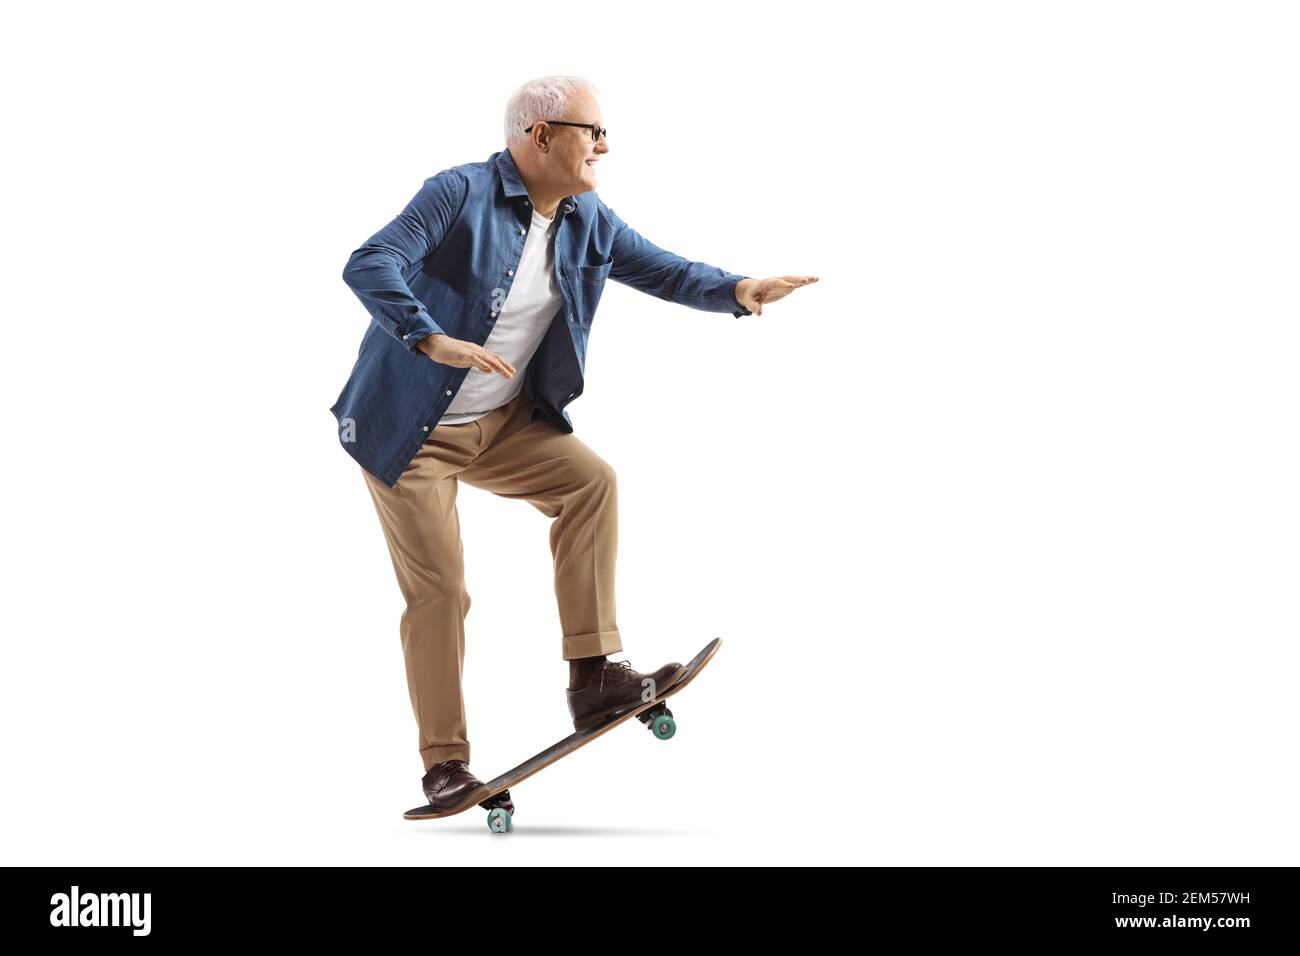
[(753, 294)]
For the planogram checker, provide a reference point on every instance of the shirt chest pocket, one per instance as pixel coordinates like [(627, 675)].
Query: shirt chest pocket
[(591, 282), (596, 275)]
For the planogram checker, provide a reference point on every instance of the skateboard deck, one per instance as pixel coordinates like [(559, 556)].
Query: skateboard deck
[(654, 714)]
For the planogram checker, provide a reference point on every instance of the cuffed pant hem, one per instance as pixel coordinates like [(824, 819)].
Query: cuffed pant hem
[(433, 755), (595, 644)]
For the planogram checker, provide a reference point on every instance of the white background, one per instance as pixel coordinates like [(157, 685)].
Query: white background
[(997, 522)]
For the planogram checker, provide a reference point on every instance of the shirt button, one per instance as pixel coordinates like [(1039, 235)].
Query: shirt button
[(492, 315), (448, 391), (527, 203), (522, 230), (406, 336), (510, 272), (426, 428)]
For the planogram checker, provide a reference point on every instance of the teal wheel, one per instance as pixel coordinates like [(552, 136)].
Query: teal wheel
[(499, 820), (664, 726)]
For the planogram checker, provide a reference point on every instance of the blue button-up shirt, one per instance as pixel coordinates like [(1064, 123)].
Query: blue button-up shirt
[(446, 263)]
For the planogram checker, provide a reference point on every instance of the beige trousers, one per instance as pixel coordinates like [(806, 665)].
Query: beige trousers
[(509, 455)]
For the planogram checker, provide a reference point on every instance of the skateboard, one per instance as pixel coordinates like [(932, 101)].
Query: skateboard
[(654, 714)]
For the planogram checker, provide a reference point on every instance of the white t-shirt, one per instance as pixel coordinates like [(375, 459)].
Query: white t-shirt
[(517, 330)]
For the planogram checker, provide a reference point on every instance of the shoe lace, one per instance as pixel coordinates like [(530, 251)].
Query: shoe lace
[(447, 768), (606, 670)]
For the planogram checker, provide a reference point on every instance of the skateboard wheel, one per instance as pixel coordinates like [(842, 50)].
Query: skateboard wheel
[(664, 726), (499, 820)]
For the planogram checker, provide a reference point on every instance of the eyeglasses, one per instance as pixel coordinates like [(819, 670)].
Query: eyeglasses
[(596, 131)]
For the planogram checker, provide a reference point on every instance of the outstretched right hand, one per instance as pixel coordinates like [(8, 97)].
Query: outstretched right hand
[(461, 354)]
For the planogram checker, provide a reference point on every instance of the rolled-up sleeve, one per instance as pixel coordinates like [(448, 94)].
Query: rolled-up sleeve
[(375, 271)]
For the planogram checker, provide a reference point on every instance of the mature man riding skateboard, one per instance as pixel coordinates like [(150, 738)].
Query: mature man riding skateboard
[(481, 294)]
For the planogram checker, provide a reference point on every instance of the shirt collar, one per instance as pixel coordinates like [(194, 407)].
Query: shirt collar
[(513, 184)]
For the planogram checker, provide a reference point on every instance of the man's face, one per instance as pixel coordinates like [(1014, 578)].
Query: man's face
[(573, 154)]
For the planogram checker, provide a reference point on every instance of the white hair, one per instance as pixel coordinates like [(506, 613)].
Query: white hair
[(540, 101)]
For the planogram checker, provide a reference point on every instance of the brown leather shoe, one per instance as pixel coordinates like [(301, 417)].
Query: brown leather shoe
[(615, 688), (450, 786)]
